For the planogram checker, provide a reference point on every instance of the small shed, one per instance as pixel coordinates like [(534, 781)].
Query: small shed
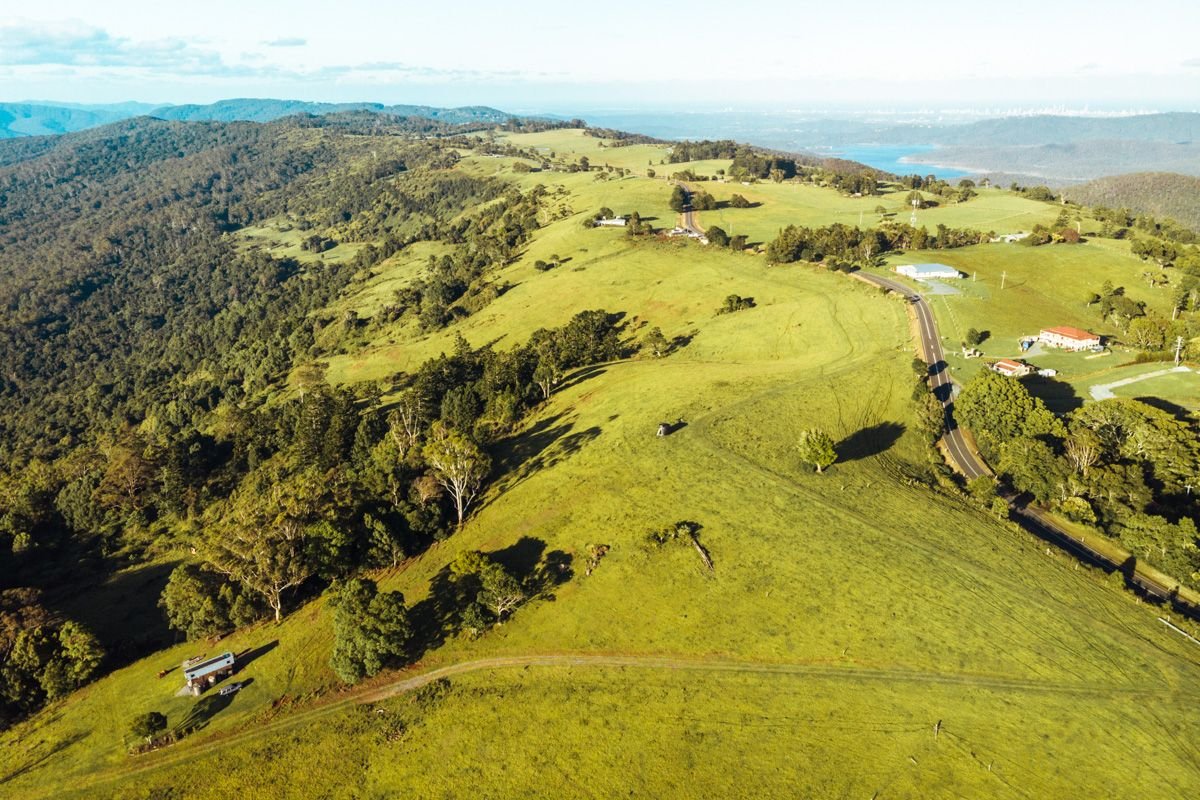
[(204, 675), (615, 222)]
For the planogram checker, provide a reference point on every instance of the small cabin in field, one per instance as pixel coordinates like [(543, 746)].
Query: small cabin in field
[(615, 222), (1012, 368), (205, 674), (1069, 338)]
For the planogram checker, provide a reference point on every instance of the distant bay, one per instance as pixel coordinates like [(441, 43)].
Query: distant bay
[(889, 157)]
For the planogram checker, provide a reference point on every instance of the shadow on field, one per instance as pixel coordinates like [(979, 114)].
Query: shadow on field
[(1059, 396), (579, 376), (122, 612), (439, 615), (544, 445), (1177, 411), (870, 441), (245, 657), (206, 708), (33, 763)]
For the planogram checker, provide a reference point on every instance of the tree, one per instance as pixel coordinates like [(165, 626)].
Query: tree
[(458, 465), (817, 448), (915, 198), (717, 236), (656, 343), (145, 726), (499, 590), (371, 629), (737, 201), (974, 337), (679, 199), (200, 602), (270, 537)]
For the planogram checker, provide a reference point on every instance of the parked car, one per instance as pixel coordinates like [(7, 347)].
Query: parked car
[(230, 689)]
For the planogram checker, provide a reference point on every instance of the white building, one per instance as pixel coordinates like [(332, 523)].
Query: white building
[(924, 272), (1069, 338), (616, 222)]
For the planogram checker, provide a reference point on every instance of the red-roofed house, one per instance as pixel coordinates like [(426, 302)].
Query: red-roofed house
[(1011, 368), (1069, 338)]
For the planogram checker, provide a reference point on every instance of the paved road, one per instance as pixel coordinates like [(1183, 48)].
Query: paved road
[(963, 459), (687, 218)]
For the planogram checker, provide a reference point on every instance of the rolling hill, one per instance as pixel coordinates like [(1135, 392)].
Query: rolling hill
[(223, 329), (1161, 194)]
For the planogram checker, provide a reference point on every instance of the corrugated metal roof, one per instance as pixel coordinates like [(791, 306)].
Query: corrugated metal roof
[(207, 667)]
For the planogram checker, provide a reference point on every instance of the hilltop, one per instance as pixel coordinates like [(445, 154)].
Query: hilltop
[(1162, 194)]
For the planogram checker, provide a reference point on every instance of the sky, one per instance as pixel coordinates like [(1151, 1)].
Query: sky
[(572, 57)]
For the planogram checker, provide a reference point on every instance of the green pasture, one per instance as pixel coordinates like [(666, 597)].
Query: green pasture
[(865, 605)]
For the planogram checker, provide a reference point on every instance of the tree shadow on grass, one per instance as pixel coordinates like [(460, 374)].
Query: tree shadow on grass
[(870, 441), (545, 444), (205, 709), (36, 761), (246, 657), (1059, 396), (122, 612), (438, 616)]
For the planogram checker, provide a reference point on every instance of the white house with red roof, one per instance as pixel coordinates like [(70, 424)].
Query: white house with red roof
[(1012, 368), (1069, 338)]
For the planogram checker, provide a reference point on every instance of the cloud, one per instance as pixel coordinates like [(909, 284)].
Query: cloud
[(85, 49), (79, 45), (1191, 62), (1091, 66)]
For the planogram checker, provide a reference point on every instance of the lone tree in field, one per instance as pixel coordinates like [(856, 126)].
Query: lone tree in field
[(144, 726), (458, 465), (817, 448), (371, 629)]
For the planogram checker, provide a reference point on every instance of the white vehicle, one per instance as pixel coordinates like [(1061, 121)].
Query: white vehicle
[(230, 689)]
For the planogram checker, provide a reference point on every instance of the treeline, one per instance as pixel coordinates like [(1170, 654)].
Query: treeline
[(838, 243), (1120, 464)]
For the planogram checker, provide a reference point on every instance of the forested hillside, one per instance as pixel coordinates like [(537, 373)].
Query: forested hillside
[(1161, 194), (141, 339)]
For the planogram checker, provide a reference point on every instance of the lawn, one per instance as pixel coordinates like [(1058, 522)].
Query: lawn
[(865, 605)]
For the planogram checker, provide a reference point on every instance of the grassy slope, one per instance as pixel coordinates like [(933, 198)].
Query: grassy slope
[(925, 608)]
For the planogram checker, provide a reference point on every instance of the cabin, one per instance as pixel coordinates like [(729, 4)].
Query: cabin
[(1069, 338), (615, 222), (205, 674), (1012, 368), (925, 272)]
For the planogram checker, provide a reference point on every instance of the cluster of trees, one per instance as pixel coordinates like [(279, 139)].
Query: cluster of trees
[(735, 302), (42, 656), (341, 483), (844, 243), (1120, 464), (719, 238)]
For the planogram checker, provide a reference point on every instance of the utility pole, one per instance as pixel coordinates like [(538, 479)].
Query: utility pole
[(1178, 348), (1003, 278)]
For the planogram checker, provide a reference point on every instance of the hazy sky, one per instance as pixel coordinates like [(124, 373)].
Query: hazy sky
[(574, 56)]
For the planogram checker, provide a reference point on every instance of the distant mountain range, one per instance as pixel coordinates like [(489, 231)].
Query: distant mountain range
[(39, 119)]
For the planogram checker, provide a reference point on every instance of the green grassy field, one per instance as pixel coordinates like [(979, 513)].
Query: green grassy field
[(862, 605)]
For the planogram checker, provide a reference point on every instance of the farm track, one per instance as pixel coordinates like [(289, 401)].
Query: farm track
[(800, 670)]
